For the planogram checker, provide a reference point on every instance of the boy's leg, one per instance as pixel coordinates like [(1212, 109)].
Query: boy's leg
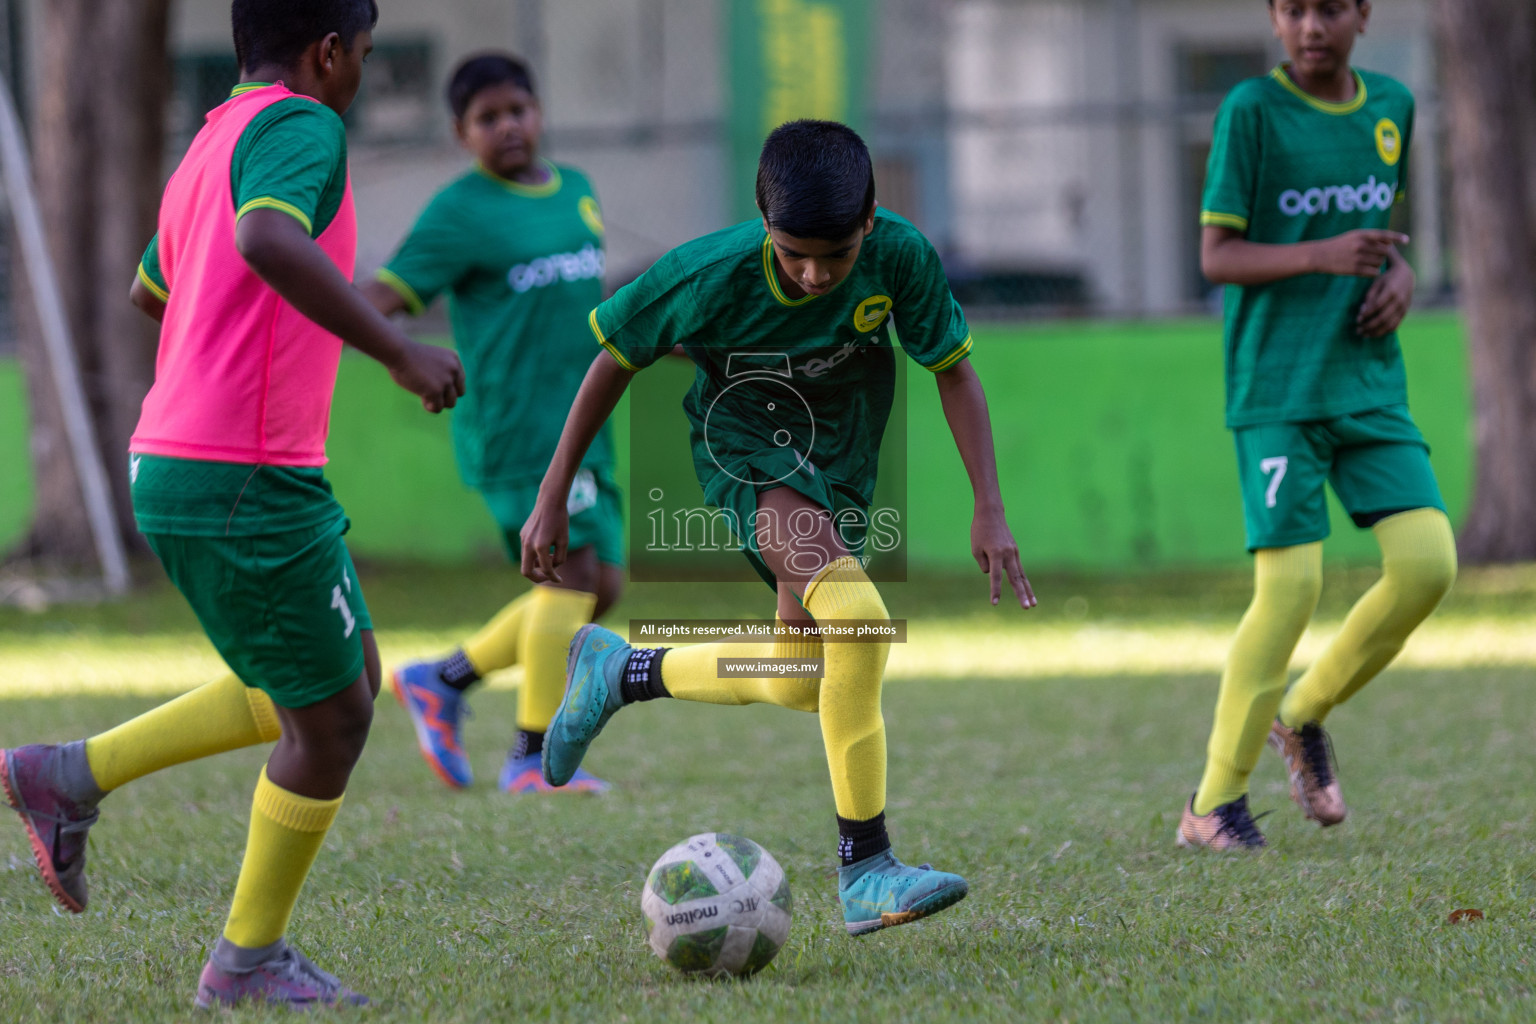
[(1286, 586), (1282, 470), (802, 547), (432, 691), (56, 787), (555, 616), (695, 673), (1382, 475), (604, 673), (296, 800), (1418, 566)]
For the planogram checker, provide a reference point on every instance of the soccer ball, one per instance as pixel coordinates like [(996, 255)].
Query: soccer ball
[(716, 904)]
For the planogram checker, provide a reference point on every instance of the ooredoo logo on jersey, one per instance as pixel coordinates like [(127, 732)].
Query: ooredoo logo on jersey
[(1367, 196)]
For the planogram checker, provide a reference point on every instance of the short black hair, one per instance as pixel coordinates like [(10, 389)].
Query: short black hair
[(277, 31), (815, 180), (483, 71)]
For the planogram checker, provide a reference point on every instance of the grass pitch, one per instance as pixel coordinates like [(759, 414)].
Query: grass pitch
[(1055, 788)]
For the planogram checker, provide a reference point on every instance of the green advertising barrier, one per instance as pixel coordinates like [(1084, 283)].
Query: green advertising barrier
[(1110, 448), (790, 59)]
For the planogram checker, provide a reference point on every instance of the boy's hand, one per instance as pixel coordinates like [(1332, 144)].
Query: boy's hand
[(546, 535), (1387, 301), (997, 553), (1358, 253), (432, 374)]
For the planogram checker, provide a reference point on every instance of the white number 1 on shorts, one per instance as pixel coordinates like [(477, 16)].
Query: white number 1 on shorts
[(339, 602), (1274, 469)]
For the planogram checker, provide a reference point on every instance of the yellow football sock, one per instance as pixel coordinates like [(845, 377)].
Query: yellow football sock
[(851, 724), (218, 716), (287, 831), (553, 619), (1286, 585), (692, 673), (1418, 566), (497, 645)]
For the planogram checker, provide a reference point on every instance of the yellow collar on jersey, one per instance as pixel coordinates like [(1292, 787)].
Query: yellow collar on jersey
[(1280, 75), (546, 188)]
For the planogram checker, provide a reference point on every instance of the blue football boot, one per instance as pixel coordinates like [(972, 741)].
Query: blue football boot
[(881, 892), (436, 710), (592, 673), (523, 775)]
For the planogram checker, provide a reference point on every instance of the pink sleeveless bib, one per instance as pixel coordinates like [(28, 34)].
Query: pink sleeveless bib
[(240, 376)]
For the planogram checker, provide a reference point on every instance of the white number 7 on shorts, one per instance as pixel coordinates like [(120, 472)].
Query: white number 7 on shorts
[(1274, 469)]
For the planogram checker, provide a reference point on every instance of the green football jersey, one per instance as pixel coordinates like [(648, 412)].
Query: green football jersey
[(784, 386), (522, 266), (1286, 167), (292, 157)]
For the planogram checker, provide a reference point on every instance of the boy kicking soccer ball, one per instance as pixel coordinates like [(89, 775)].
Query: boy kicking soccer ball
[(1305, 168), (517, 243), (249, 275), (817, 280)]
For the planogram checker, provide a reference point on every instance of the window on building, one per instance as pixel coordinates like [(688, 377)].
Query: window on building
[(1205, 74), (397, 102)]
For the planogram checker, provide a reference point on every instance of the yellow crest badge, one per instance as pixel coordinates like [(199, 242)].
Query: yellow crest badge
[(871, 313), (593, 216), (1389, 142)]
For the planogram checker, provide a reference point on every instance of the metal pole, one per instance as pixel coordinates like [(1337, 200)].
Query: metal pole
[(91, 473)]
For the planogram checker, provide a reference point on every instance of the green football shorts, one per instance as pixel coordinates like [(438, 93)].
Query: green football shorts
[(735, 490), (1376, 460), (285, 610), (594, 505)]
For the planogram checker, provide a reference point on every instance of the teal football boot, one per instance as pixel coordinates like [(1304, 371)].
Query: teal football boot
[(593, 670), (882, 892)]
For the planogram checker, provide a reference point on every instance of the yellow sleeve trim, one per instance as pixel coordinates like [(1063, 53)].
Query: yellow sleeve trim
[(618, 356), (1212, 219), (397, 284), (954, 357), (154, 289), (271, 203)]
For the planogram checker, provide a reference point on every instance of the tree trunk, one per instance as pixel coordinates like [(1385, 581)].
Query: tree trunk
[(1489, 48), (97, 137)]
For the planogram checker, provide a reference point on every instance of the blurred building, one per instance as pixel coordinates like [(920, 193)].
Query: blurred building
[(1053, 149)]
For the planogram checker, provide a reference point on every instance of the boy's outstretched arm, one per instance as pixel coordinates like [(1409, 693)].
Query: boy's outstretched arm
[(1226, 257), (283, 255), (546, 532), (992, 543)]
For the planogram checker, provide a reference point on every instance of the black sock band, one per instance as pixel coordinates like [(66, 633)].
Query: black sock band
[(527, 742), (642, 675), (457, 672), (860, 840)]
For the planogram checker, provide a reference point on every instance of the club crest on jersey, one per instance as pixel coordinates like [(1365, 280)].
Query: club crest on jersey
[(590, 214), (1389, 142), (871, 313)]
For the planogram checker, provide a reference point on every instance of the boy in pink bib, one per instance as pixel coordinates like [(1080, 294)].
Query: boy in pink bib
[(250, 276)]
